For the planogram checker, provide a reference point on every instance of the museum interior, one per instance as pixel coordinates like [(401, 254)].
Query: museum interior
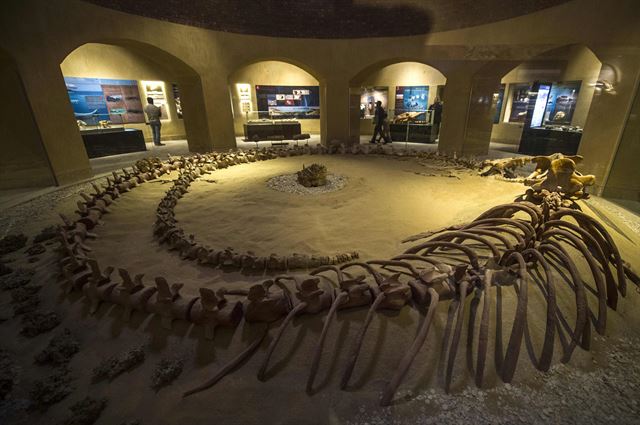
[(319, 212)]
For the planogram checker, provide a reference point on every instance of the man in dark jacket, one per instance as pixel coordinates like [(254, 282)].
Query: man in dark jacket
[(379, 120), (437, 119)]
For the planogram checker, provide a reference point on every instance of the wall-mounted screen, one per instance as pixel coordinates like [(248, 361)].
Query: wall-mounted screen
[(562, 102), (519, 102), (97, 99), (368, 98), (411, 99), (300, 102)]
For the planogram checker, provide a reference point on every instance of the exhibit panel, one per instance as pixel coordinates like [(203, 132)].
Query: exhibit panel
[(96, 100), (369, 97), (518, 101), (156, 90), (175, 90)]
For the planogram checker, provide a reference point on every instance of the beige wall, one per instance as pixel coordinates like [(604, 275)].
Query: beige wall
[(271, 73), (583, 66), (95, 60), (25, 163), (624, 178), (402, 74), (40, 34)]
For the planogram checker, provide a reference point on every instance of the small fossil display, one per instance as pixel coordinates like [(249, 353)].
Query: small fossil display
[(167, 370), (7, 374), (113, 366), (313, 176), (36, 249), (11, 243), (36, 323), (18, 278), (86, 411)]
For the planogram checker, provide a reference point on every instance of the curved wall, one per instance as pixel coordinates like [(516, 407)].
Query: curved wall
[(40, 34)]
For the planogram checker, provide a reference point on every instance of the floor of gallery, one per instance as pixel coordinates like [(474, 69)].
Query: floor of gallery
[(10, 198), (104, 166), (386, 199)]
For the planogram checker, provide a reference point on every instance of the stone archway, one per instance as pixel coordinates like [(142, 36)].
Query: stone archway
[(145, 61), (251, 83), (395, 75)]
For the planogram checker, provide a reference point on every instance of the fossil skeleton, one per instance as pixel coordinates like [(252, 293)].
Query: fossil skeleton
[(465, 266)]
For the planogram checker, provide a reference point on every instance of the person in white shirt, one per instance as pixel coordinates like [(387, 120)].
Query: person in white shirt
[(153, 115)]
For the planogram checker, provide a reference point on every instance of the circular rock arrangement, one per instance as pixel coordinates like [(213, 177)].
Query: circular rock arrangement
[(288, 183), (167, 230), (511, 248)]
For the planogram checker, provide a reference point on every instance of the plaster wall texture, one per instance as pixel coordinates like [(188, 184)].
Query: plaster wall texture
[(96, 60), (26, 161), (272, 73), (624, 179), (583, 66), (402, 74), (205, 59)]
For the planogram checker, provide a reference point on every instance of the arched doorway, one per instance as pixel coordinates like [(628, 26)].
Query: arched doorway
[(24, 161), (543, 103), (275, 102), (108, 83), (407, 90)]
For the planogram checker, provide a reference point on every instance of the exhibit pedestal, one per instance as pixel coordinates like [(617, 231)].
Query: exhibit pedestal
[(415, 133), (271, 130), (543, 141), (112, 141)]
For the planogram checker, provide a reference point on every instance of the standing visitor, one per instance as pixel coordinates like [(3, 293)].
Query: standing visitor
[(153, 115), (379, 120), (436, 107)]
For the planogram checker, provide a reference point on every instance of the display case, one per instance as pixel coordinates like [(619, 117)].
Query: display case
[(550, 139), (255, 131), (101, 142), (412, 125), (409, 132), (541, 137)]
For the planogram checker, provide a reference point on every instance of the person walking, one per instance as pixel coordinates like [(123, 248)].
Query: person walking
[(379, 119), (436, 109), (154, 113)]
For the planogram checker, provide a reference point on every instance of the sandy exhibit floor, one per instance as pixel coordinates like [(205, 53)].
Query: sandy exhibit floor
[(385, 200)]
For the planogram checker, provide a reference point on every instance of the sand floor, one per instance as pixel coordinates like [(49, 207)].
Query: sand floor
[(383, 202)]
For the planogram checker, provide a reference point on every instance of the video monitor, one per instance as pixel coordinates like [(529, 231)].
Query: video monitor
[(282, 102)]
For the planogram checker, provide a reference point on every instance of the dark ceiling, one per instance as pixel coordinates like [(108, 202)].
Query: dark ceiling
[(329, 18)]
